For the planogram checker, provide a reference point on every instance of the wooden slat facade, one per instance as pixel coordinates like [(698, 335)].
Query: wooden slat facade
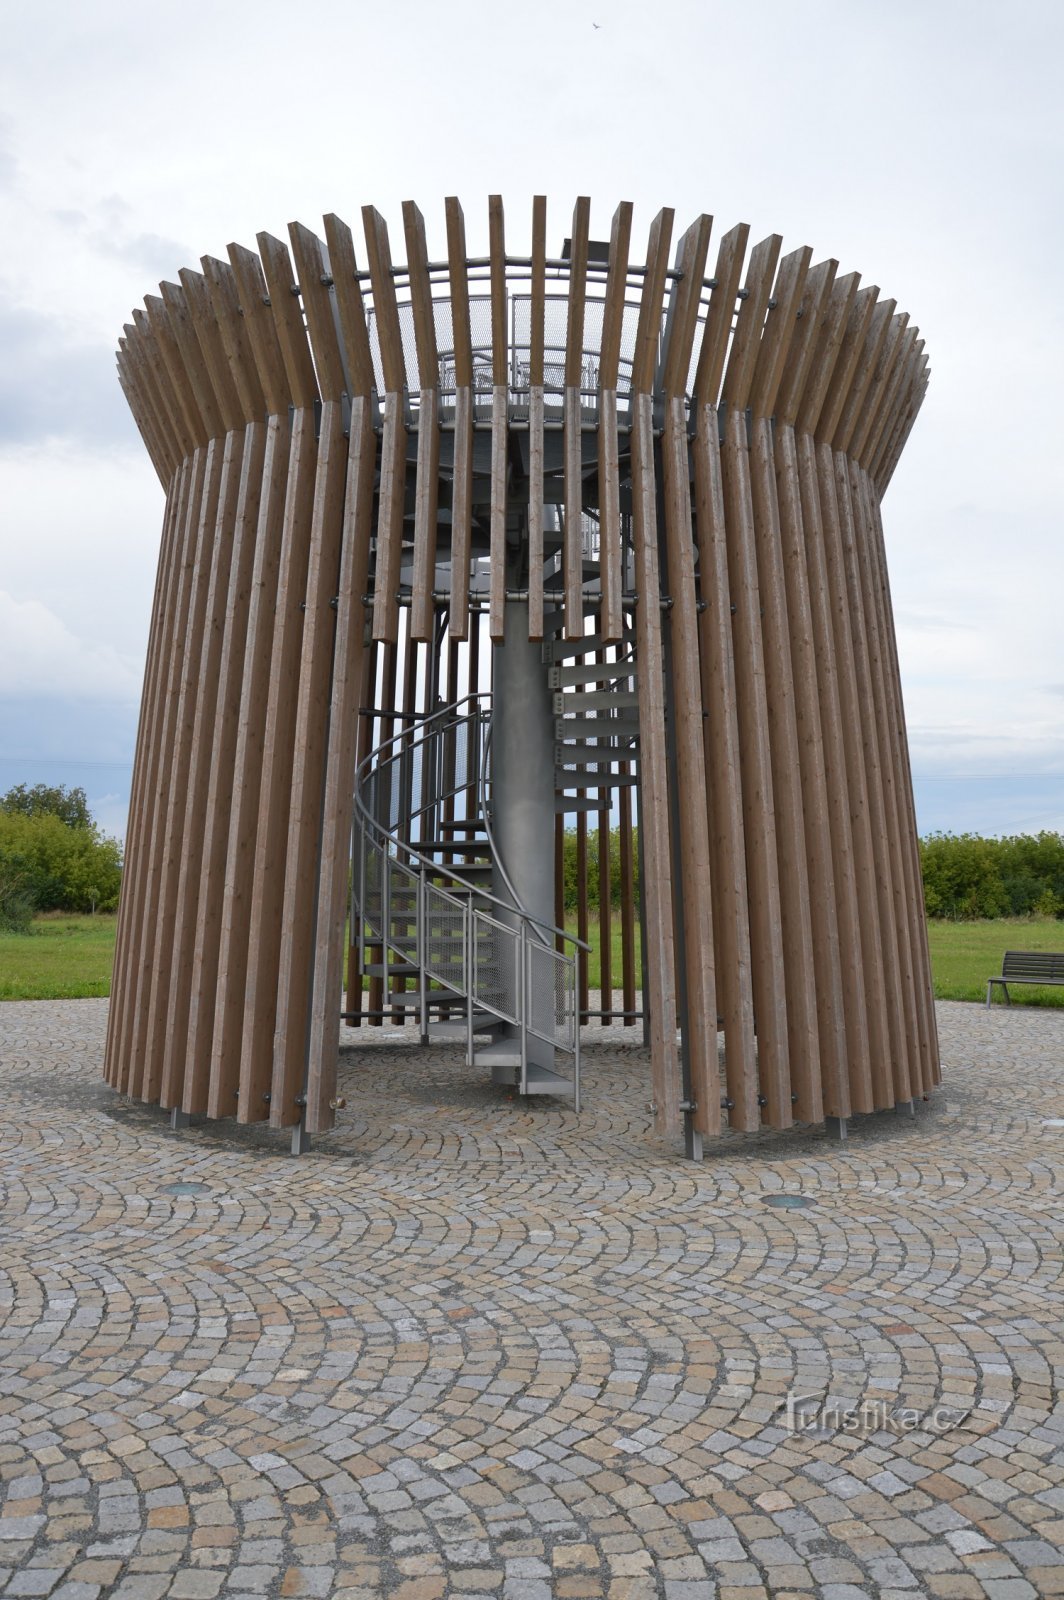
[(364, 463)]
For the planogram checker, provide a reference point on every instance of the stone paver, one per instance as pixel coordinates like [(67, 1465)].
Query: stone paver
[(469, 1348)]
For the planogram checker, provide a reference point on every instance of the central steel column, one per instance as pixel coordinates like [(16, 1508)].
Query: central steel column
[(522, 764)]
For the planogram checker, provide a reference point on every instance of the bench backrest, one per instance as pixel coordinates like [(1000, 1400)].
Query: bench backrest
[(1033, 966)]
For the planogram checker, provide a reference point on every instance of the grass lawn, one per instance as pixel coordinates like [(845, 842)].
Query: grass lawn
[(63, 957), (965, 954), (68, 957)]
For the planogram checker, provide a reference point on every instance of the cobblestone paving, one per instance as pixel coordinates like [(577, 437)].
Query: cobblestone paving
[(468, 1349)]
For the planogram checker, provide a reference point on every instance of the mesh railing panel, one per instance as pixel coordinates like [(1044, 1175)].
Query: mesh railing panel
[(551, 995), (496, 966), (443, 948)]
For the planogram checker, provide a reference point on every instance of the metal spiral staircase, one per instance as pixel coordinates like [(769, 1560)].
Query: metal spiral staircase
[(438, 919)]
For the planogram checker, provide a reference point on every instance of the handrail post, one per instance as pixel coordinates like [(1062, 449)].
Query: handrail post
[(470, 976), (422, 980), (576, 1037), (363, 843), (523, 987)]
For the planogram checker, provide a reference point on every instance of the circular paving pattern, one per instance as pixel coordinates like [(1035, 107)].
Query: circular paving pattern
[(467, 1347)]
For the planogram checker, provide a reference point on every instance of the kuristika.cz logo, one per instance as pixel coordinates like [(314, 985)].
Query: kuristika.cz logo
[(817, 1413)]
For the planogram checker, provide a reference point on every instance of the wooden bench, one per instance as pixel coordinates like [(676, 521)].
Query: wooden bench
[(1027, 966)]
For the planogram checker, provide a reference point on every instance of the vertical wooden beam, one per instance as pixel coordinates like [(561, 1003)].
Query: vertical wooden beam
[(300, 905), (611, 621), (768, 952), (143, 785), (573, 545), (537, 307), (499, 417), (189, 1055), (876, 990), (691, 854), (605, 905), (169, 994), (655, 855), (221, 1071), (151, 933), (794, 845), (428, 428), (392, 493), (462, 489)]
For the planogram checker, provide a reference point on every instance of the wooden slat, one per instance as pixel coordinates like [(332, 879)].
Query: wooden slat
[(288, 320), (779, 336), (171, 412), (173, 377), (428, 432), (833, 322), (537, 305), (818, 286), (363, 744), (462, 490), (172, 815), (163, 458), (611, 623), (573, 545), (224, 297), (628, 899), (849, 358), (499, 419), (718, 326), (350, 309), (829, 1095), (898, 1084), (863, 580), (918, 923), (276, 789), (876, 991), (392, 494), (144, 756), (191, 353), (742, 357), (208, 326), (718, 699), (172, 1001), (605, 906), (691, 852), (864, 373), (192, 1043), (141, 366), (305, 842), (219, 1073), (655, 863), (888, 370), (308, 252), (825, 684), (759, 821), (154, 839), (260, 328)]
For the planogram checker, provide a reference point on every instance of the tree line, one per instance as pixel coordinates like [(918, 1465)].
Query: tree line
[(966, 877), (53, 857)]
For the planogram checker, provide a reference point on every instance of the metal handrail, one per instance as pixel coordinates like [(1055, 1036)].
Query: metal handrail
[(423, 860)]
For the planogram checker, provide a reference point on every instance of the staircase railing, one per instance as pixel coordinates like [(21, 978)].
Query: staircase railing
[(466, 946)]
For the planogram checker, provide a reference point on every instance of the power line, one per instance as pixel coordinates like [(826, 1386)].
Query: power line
[(60, 761)]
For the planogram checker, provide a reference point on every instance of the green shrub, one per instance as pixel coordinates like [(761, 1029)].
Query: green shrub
[(57, 867), (16, 902)]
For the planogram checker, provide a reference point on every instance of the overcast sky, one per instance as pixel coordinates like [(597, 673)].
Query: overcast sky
[(918, 141)]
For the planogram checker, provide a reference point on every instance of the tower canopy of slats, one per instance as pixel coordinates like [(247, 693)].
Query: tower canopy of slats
[(373, 443)]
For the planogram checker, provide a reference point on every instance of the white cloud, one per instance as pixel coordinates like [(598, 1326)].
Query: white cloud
[(41, 657), (122, 138)]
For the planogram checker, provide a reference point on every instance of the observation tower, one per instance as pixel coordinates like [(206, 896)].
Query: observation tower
[(463, 549)]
